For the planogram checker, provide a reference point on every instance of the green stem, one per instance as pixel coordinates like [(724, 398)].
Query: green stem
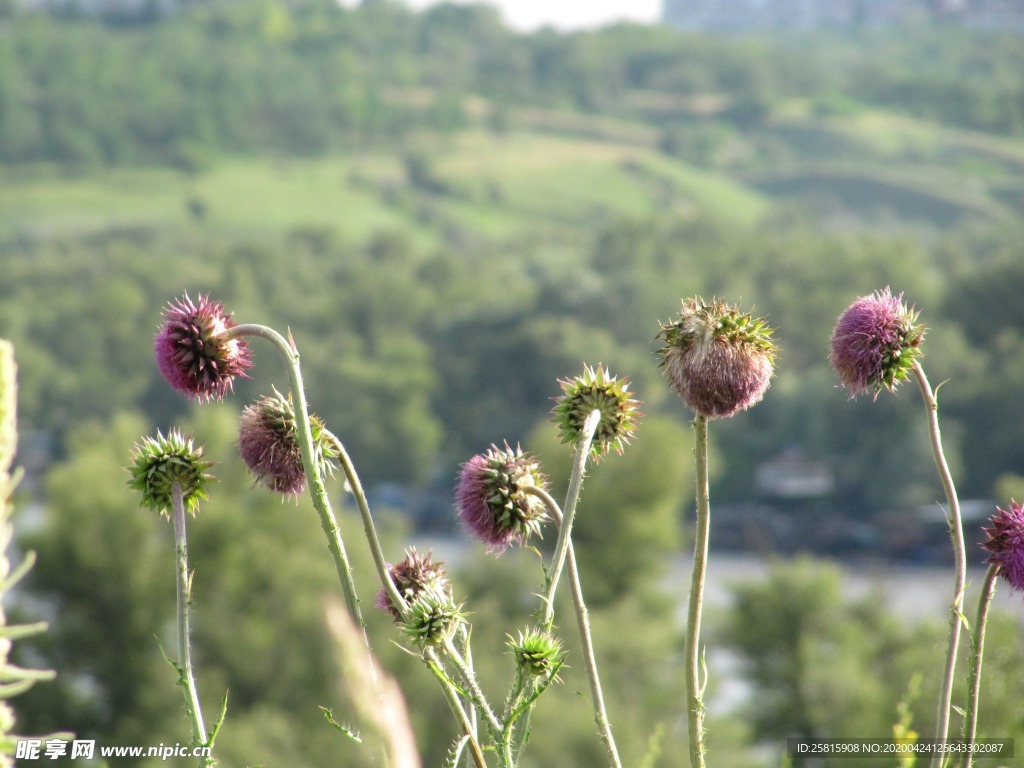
[(583, 624), (978, 650), (376, 550), (694, 689), (572, 496), (192, 707), (456, 705), (312, 468), (956, 532), (473, 685)]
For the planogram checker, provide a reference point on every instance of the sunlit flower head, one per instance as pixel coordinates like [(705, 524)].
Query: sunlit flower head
[(875, 343), (491, 499), (193, 351), (158, 463), (1006, 544), (718, 359), (598, 390)]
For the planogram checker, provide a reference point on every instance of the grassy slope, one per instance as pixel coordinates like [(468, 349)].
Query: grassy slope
[(557, 172)]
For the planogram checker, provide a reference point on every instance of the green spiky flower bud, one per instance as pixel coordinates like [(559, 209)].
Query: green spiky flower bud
[(433, 617), (160, 462), (537, 652), (598, 390)]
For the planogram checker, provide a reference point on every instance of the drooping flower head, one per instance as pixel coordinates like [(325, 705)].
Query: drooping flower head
[(718, 359), (193, 351), (597, 390), (269, 445), (160, 462), (413, 575), (491, 500), (875, 343), (537, 652), (1006, 544)]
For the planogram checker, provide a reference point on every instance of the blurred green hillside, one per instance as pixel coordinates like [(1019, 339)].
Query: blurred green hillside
[(449, 217)]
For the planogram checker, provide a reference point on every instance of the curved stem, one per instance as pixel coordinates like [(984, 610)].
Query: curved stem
[(368, 527), (694, 689), (977, 652), (571, 497), (192, 706), (315, 478), (956, 532), (583, 624)]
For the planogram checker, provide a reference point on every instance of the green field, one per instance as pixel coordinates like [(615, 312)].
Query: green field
[(548, 176)]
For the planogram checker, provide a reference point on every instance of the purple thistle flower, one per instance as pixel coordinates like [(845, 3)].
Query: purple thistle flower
[(491, 501), (875, 343), (717, 358), (1006, 544), (412, 576), (193, 353)]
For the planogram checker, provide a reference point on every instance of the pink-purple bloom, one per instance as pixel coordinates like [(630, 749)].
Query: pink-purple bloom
[(875, 343), (412, 576), (1005, 544), (491, 499), (194, 351), (268, 443), (719, 360)]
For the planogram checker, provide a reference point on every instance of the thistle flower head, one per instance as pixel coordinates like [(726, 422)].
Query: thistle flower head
[(491, 500), (193, 351), (269, 445), (160, 462), (433, 617), (596, 390), (1006, 544), (718, 359), (537, 652), (411, 576), (875, 343)]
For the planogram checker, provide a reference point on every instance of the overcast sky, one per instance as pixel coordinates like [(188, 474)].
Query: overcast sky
[(565, 15)]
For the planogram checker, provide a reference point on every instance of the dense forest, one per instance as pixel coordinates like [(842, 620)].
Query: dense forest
[(449, 217)]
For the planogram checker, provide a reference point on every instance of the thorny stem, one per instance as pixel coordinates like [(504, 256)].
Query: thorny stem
[(192, 706), (474, 687), (978, 649), (456, 705), (316, 482), (956, 532), (583, 623), (694, 690), (571, 497)]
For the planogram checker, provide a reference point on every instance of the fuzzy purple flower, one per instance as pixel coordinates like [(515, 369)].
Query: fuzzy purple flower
[(1006, 544), (268, 443), (875, 343), (491, 499), (193, 351), (719, 360), (411, 576)]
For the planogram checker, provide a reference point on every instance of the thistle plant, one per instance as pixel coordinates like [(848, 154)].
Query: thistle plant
[(491, 501), (16, 680), (876, 344), (269, 445), (170, 475), (720, 361), (1005, 546)]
